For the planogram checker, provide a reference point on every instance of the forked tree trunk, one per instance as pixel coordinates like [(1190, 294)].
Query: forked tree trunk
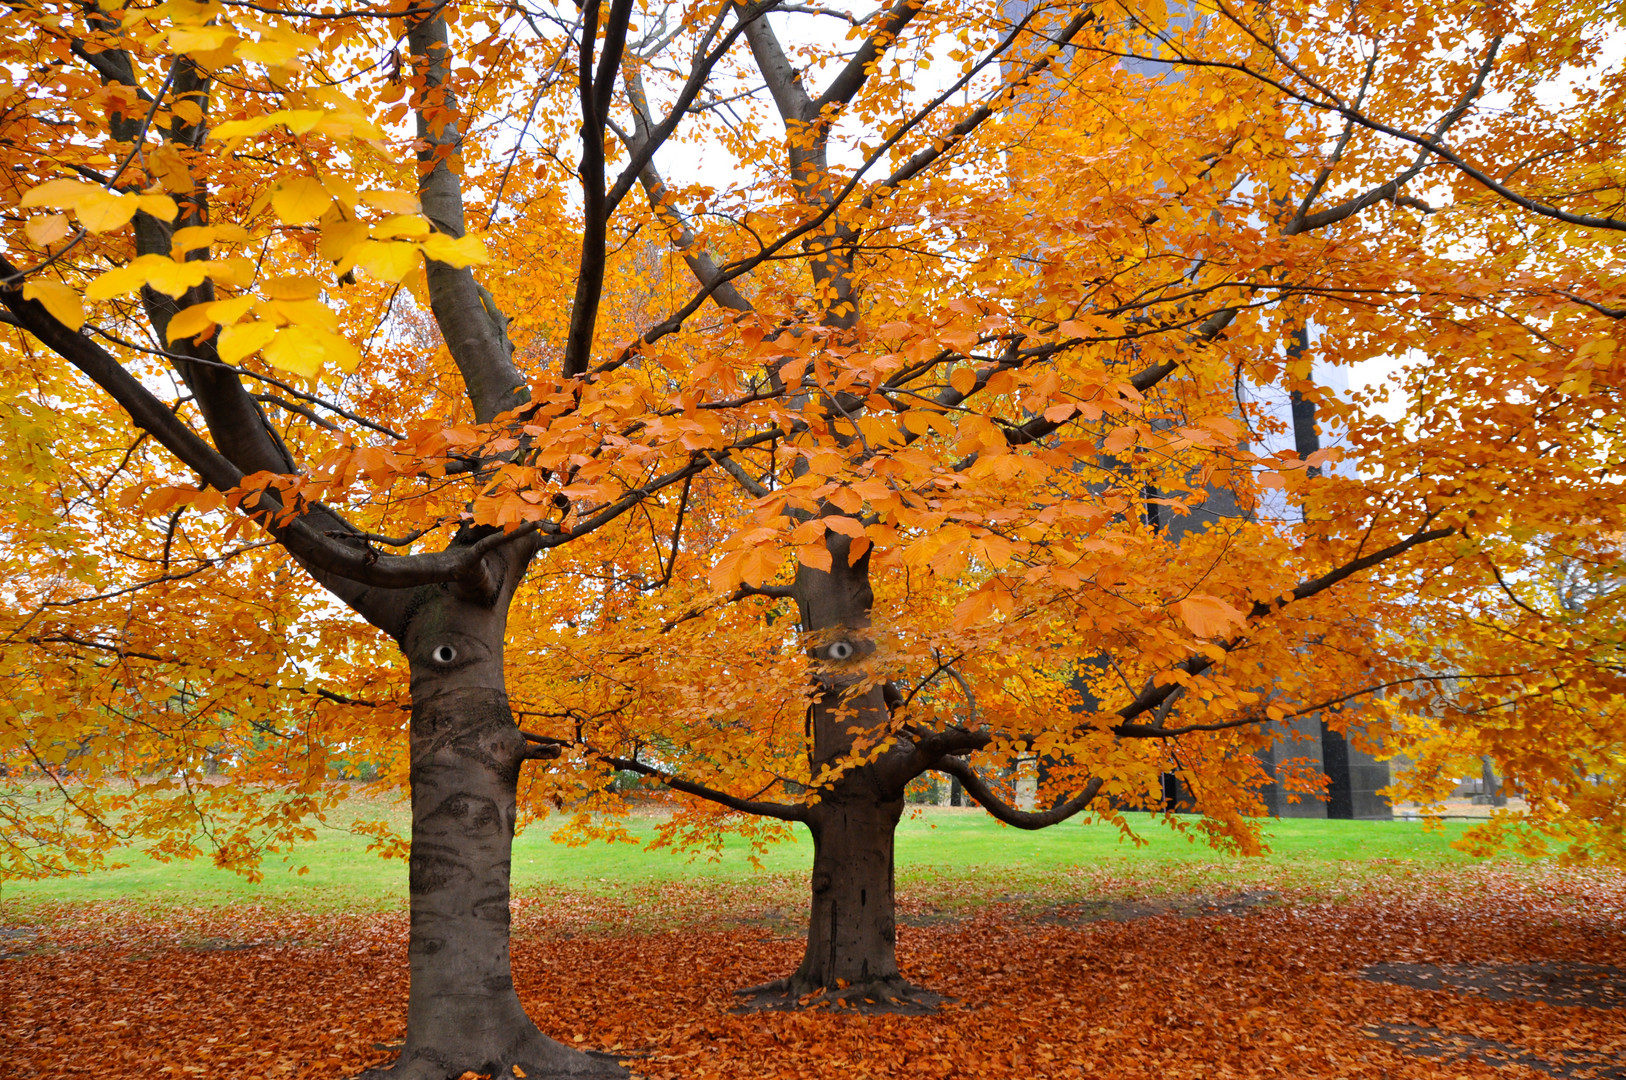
[(463, 1014)]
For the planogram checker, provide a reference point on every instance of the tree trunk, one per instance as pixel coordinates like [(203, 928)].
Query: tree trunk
[(851, 955), (852, 933), (1493, 787), (463, 1014)]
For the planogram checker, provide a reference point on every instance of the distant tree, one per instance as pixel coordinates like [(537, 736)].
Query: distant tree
[(1107, 266)]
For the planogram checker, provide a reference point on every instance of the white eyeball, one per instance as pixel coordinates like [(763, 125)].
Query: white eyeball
[(839, 650), (443, 654)]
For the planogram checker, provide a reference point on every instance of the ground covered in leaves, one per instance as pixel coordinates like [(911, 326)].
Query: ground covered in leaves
[(1492, 972)]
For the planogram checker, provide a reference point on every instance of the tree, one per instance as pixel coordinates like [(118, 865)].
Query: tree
[(240, 219), (1222, 217), (178, 184)]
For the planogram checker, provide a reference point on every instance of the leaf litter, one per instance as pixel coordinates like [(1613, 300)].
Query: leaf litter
[(1302, 984)]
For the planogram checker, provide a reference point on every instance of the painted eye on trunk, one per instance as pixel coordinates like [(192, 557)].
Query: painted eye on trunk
[(443, 654), (839, 650)]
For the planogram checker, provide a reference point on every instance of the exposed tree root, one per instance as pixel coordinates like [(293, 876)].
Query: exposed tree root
[(538, 1059), (893, 995)]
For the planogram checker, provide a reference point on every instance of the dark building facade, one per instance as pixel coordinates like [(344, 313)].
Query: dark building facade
[(1353, 777)]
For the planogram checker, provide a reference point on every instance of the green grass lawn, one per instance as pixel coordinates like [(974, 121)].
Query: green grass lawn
[(939, 849)]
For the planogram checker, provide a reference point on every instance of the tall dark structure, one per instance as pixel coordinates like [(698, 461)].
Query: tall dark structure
[(1353, 777)]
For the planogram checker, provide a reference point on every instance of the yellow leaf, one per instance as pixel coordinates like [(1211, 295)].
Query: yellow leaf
[(199, 39), (339, 237), (350, 127), (407, 225), (1083, 328), (996, 549), (758, 565), (292, 287), (808, 532), (340, 353), (241, 129), (950, 557), (392, 202), (464, 251), (102, 211), (235, 271), (303, 313), (189, 112), (194, 237), (118, 281), (299, 199), (417, 283), (1599, 351), (386, 260), (42, 231), (815, 555), (161, 274), (191, 238), (190, 323), (295, 349), (61, 301), (962, 338), (242, 341), (169, 166), (344, 193), (57, 194), (161, 207), (1207, 616), (725, 572), (173, 278), (281, 54), (973, 609), (963, 379), (300, 121), (1121, 439), (226, 312), (879, 430), (305, 350)]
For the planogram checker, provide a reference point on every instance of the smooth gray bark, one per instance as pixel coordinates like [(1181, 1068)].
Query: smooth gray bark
[(463, 1013)]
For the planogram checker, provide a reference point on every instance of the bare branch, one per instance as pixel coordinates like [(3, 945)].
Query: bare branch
[(978, 789), (782, 811)]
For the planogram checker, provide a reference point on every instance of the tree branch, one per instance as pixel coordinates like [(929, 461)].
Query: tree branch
[(1003, 811), (1153, 695), (474, 330), (782, 811), (356, 563), (594, 87), (684, 241), (861, 65)]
